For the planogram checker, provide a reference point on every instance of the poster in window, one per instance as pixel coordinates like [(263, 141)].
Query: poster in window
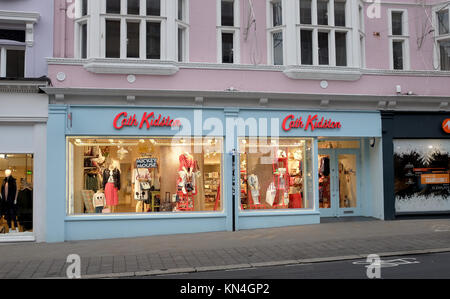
[(422, 176)]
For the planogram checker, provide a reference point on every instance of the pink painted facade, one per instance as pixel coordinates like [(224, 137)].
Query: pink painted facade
[(202, 72)]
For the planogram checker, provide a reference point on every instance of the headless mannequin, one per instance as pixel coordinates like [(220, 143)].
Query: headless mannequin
[(10, 204)]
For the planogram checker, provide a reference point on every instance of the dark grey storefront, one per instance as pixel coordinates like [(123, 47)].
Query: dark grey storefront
[(416, 134)]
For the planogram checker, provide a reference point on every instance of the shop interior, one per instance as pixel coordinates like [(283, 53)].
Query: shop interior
[(276, 174), (145, 175), (16, 196)]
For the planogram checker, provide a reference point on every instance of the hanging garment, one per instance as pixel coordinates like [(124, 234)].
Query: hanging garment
[(141, 180), (271, 193), (91, 182), (325, 166), (25, 208), (254, 187), (295, 201)]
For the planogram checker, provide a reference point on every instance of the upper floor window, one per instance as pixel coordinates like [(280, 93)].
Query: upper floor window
[(12, 53), (276, 33), (228, 31), (398, 39), (325, 32), (443, 37), (130, 29)]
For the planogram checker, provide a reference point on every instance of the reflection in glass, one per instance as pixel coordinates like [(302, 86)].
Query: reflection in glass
[(347, 181)]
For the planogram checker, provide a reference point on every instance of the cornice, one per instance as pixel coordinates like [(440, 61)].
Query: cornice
[(19, 16), (300, 72)]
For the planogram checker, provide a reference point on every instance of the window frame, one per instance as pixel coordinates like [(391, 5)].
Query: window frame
[(438, 38), (4, 58), (235, 30), (183, 25), (271, 30), (404, 38), (331, 29)]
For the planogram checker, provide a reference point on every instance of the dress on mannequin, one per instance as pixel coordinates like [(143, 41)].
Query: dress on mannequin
[(111, 185), (187, 169)]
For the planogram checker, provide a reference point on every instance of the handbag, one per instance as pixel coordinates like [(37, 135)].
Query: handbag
[(106, 211), (145, 186)]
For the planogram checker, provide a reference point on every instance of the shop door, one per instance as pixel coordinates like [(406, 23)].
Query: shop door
[(339, 182)]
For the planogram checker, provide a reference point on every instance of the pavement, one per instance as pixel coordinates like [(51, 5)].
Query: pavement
[(215, 251)]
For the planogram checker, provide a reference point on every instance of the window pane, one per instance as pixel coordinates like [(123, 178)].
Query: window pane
[(153, 7), (445, 55), (181, 10), (397, 23), (443, 21), (278, 48), (227, 48), (133, 40), (144, 175), (305, 12), (133, 7), (276, 174), (397, 47), (153, 40), (13, 35), (322, 12), (339, 13), (21, 167), (113, 6), (306, 47), (227, 13), (112, 39), (84, 7), (84, 41), (181, 43), (323, 48), (15, 63), (341, 49), (277, 13)]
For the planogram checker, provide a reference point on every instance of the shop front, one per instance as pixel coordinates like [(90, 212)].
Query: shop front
[(313, 164), (416, 149), (129, 171), (23, 119)]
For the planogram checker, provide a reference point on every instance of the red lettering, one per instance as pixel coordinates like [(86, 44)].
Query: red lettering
[(310, 122), (116, 119), (145, 118), (285, 122)]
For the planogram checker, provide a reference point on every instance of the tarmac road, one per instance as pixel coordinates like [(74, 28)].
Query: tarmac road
[(429, 266)]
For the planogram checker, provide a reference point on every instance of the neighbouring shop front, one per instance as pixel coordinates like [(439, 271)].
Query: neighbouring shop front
[(121, 171), (416, 150), (23, 118)]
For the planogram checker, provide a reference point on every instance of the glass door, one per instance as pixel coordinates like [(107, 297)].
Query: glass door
[(339, 182)]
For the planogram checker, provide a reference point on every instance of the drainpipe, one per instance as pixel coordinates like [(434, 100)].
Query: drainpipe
[(62, 34)]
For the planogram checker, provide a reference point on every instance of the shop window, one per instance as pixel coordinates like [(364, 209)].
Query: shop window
[(422, 175), (339, 144), (146, 175), (16, 196), (276, 174)]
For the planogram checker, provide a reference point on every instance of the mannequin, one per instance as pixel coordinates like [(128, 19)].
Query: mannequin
[(25, 205), (111, 185), (9, 199), (141, 176)]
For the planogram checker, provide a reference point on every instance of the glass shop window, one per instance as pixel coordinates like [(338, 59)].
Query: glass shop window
[(16, 196), (146, 175), (276, 174)]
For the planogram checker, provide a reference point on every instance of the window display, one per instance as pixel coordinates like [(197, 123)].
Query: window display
[(144, 175), (276, 174), (16, 196), (422, 175)]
